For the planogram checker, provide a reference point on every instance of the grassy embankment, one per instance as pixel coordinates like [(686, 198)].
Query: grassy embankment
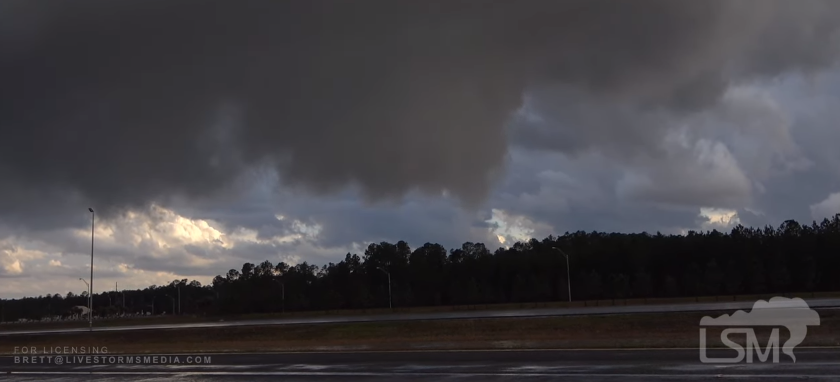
[(159, 320), (578, 332)]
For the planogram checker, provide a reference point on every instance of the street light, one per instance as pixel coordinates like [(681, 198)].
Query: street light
[(173, 303), (282, 294), (92, 220), (568, 278), (390, 306), (88, 286)]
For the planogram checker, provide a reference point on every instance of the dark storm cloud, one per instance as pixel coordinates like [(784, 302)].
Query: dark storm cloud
[(582, 197), (342, 221), (124, 102), (814, 104)]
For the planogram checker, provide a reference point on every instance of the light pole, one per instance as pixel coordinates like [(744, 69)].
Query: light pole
[(119, 293), (568, 278), (88, 286), (390, 306), (90, 315), (173, 303), (282, 294)]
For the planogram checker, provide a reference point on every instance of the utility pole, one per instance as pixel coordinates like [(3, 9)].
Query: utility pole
[(179, 298), (282, 294), (568, 278), (173, 303), (88, 286), (90, 295), (390, 305)]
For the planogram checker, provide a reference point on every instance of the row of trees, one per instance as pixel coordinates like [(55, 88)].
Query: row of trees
[(179, 296), (790, 258)]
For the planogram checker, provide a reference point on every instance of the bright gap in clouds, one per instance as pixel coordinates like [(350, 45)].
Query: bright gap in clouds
[(143, 248), (509, 228), (720, 219)]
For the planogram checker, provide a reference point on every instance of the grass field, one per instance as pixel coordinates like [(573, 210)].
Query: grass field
[(614, 331), (347, 312)]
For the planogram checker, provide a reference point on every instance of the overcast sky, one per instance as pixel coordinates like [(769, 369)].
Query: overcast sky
[(208, 134)]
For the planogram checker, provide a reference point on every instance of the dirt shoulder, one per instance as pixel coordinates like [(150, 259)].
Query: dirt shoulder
[(613, 331)]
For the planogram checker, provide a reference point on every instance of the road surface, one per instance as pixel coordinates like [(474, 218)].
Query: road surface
[(598, 310), (468, 366)]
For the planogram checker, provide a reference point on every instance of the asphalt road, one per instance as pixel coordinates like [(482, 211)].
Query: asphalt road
[(598, 310), (537, 365)]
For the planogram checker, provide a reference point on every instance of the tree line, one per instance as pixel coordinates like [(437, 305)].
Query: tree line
[(792, 258)]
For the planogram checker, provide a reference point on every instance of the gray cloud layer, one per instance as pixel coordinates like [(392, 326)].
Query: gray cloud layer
[(122, 103)]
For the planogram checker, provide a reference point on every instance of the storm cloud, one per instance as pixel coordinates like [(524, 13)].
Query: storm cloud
[(125, 103)]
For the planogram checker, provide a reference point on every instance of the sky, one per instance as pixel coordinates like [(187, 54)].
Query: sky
[(208, 134)]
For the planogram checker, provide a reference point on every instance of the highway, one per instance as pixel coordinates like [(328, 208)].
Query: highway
[(517, 365), (597, 310)]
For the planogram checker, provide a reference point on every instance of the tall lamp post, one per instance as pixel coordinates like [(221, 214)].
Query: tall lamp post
[(173, 303), (282, 294), (88, 286), (90, 315), (390, 306), (568, 278)]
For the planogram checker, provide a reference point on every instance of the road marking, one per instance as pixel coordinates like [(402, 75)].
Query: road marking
[(833, 347), (430, 374)]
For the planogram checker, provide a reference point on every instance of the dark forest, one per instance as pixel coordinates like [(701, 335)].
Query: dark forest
[(792, 258)]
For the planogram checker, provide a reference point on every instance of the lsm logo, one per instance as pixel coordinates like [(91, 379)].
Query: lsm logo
[(792, 313)]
